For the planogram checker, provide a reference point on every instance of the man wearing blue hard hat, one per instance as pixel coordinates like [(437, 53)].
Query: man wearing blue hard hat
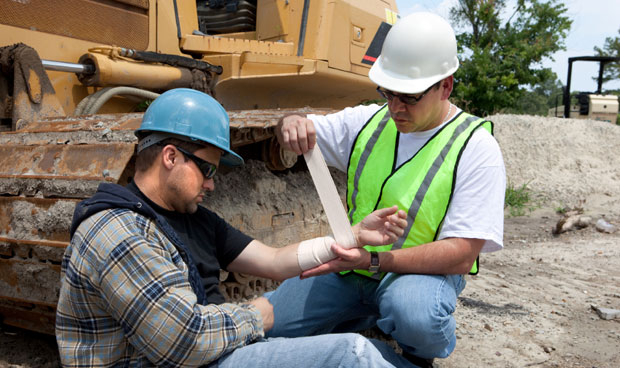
[(139, 278)]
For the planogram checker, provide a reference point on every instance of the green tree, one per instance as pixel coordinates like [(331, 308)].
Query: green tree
[(611, 48), (540, 99), (501, 57)]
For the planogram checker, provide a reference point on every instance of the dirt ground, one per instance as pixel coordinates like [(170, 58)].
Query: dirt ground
[(532, 303), (530, 306)]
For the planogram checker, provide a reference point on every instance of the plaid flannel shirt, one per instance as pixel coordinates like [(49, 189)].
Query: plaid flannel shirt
[(125, 300)]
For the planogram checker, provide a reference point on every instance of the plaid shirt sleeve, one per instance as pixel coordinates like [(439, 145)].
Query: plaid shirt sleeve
[(125, 297)]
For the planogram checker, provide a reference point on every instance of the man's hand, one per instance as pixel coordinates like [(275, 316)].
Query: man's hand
[(346, 259), (266, 310), (296, 133), (383, 226)]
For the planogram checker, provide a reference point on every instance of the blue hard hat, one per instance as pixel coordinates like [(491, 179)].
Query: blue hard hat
[(192, 115)]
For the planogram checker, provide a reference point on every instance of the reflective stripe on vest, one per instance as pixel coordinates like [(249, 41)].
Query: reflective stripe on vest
[(421, 186)]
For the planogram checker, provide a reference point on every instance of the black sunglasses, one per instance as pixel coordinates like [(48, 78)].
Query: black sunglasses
[(406, 99), (208, 169)]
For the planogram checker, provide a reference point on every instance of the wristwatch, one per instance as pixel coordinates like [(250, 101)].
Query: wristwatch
[(374, 262)]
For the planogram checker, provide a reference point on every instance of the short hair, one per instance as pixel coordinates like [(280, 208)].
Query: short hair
[(146, 157)]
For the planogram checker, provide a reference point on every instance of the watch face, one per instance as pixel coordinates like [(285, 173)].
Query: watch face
[(374, 262)]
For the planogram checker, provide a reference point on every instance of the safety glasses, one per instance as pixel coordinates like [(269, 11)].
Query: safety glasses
[(406, 99), (208, 169)]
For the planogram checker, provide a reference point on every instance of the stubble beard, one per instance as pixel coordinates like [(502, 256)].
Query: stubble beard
[(181, 206), (191, 208)]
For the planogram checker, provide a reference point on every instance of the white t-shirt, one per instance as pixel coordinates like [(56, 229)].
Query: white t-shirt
[(477, 206)]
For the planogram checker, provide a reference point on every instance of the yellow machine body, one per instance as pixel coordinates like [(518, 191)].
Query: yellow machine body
[(269, 67), (268, 57)]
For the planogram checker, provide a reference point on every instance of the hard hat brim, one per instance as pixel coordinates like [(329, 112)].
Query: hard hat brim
[(405, 85), (230, 158)]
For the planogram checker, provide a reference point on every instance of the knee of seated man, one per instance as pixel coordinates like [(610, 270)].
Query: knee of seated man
[(355, 344)]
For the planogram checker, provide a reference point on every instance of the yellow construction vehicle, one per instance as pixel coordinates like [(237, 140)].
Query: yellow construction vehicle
[(75, 75)]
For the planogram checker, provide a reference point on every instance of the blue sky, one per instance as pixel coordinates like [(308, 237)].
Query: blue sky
[(593, 21)]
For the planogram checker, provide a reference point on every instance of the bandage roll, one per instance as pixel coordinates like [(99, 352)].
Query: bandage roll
[(330, 199), (314, 252)]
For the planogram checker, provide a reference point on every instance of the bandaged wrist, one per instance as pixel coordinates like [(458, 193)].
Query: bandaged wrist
[(313, 252)]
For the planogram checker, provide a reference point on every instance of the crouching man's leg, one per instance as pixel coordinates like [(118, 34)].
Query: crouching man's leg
[(334, 350), (416, 310)]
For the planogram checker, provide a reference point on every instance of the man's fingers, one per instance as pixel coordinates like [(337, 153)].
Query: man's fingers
[(293, 138), (393, 230), (306, 135), (398, 222), (398, 219), (392, 236), (302, 136), (316, 271), (286, 139), (386, 211), (395, 213), (310, 133), (296, 133), (343, 253)]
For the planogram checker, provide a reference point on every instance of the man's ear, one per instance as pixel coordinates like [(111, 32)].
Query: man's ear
[(169, 156), (447, 84)]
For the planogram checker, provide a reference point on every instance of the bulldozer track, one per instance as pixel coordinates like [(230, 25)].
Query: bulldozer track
[(48, 166)]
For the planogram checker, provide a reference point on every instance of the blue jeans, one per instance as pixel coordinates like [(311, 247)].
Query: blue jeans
[(333, 350), (415, 310)]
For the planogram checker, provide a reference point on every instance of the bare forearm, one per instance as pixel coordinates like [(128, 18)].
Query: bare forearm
[(382, 226), (261, 260), (285, 263), (446, 256), (289, 261)]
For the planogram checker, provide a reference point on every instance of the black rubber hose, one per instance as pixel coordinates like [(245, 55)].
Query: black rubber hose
[(176, 60)]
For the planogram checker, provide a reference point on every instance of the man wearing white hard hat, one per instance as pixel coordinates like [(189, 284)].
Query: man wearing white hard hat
[(430, 158)]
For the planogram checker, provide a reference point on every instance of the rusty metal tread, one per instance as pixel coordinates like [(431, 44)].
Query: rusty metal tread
[(129, 121), (65, 161), (267, 118), (47, 166)]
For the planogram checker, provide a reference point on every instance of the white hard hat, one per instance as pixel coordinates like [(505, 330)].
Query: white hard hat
[(418, 51)]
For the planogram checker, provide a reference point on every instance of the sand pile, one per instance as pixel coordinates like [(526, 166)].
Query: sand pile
[(565, 162)]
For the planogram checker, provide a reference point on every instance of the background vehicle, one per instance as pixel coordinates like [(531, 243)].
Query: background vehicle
[(67, 122), (595, 105)]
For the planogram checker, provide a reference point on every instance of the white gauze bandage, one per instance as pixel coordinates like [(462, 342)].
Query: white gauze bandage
[(330, 199), (314, 252)]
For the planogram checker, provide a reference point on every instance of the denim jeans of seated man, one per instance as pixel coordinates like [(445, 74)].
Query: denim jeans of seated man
[(331, 350)]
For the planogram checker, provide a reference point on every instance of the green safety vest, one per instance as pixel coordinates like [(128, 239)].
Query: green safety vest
[(422, 186)]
